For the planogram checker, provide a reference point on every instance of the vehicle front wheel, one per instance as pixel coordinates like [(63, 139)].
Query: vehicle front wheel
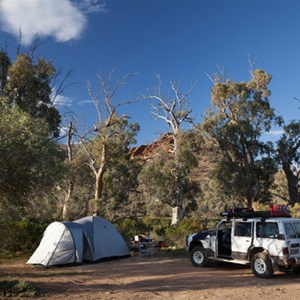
[(261, 265), (198, 257)]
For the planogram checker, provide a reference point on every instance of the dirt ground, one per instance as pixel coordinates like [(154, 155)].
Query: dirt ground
[(152, 278)]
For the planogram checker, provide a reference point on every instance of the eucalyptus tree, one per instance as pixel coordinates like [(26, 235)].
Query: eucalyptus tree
[(77, 182), (239, 115), (29, 85), (288, 154), (4, 65), (160, 177), (30, 161), (121, 171), (174, 109), (112, 131)]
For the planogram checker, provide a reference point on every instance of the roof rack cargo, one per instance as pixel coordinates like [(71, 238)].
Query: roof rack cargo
[(276, 211)]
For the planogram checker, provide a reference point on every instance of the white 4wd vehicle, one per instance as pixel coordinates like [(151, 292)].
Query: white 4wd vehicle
[(266, 242)]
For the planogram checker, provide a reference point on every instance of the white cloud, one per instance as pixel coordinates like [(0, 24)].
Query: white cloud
[(61, 101), (63, 131), (83, 102), (62, 19), (275, 132), (91, 6)]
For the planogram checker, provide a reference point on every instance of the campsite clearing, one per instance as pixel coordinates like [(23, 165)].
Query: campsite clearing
[(151, 278)]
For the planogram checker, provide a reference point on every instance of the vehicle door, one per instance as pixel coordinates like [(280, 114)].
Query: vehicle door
[(212, 239), (268, 237), (241, 239), (220, 242)]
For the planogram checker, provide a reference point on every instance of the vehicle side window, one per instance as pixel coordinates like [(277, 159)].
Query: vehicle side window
[(297, 228), (224, 230), (289, 231), (225, 226), (242, 229), (267, 230)]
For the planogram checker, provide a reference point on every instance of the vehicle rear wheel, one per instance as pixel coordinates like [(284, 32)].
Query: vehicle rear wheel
[(198, 257), (261, 265)]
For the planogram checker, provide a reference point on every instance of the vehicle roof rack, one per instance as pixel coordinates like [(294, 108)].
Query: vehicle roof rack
[(247, 213)]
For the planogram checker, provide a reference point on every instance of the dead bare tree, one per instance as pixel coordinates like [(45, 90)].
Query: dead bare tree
[(107, 111), (72, 179), (175, 111)]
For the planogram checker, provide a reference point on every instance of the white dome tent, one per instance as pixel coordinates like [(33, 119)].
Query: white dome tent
[(105, 239), (90, 238)]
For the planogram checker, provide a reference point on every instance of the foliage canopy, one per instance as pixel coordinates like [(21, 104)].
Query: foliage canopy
[(241, 113)]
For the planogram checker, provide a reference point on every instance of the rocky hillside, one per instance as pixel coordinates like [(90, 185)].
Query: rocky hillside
[(159, 149), (162, 149)]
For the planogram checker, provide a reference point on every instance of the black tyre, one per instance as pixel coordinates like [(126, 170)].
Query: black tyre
[(198, 257), (261, 265)]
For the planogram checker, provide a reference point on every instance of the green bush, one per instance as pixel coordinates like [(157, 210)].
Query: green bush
[(161, 229), (131, 227), (17, 288), (176, 235), (20, 237)]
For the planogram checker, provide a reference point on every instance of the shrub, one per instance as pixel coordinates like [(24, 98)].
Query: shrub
[(175, 235), (17, 288), (131, 227), (161, 229), (20, 237)]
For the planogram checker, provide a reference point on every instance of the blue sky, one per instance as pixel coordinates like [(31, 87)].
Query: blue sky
[(178, 39)]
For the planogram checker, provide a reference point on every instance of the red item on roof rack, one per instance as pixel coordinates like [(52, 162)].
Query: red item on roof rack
[(280, 210)]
